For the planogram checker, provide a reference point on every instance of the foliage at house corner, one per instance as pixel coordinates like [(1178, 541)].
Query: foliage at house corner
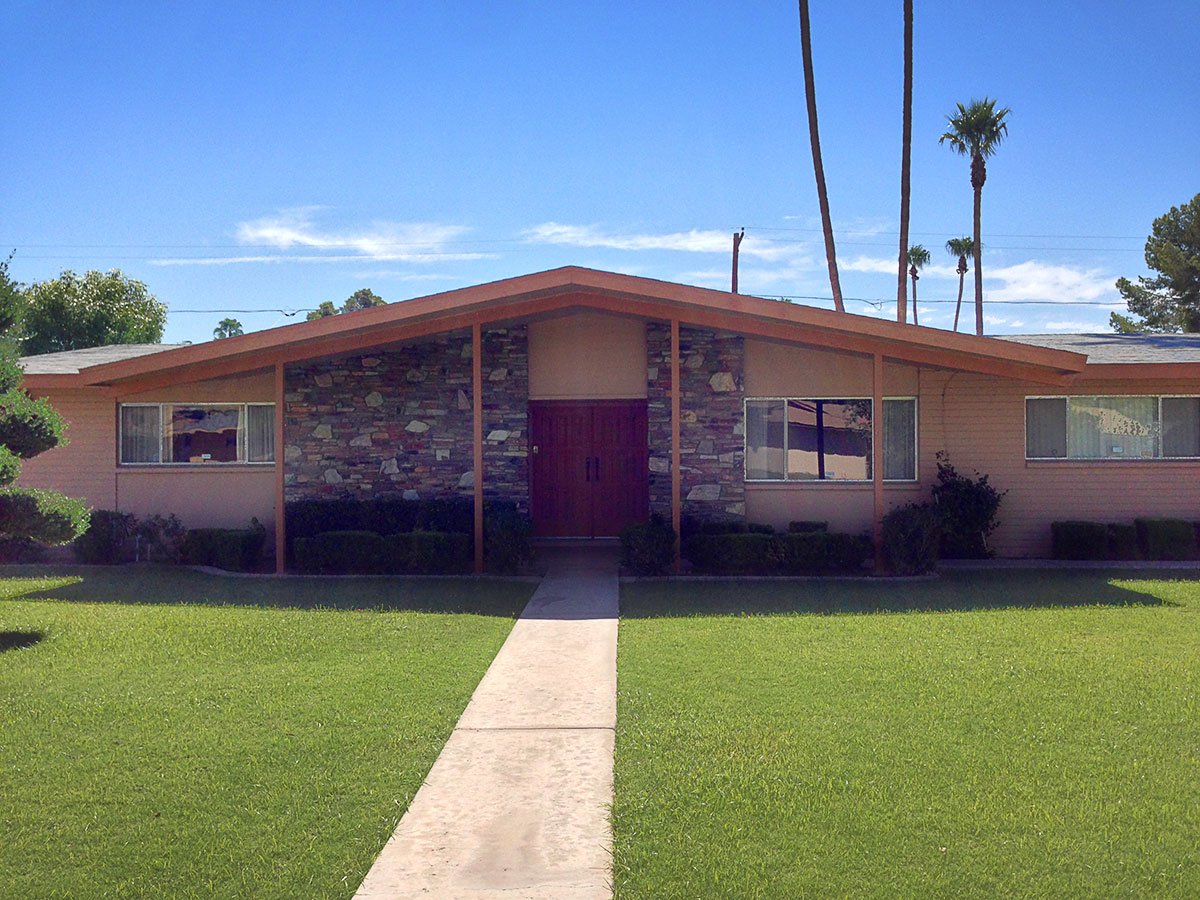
[(28, 427), (96, 309), (1169, 302), (364, 298), (967, 508)]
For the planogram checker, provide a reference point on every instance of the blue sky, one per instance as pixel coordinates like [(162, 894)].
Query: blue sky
[(272, 156)]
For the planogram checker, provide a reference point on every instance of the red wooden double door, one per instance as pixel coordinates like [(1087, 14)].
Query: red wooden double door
[(589, 466)]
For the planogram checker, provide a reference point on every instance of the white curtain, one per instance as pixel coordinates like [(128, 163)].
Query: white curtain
[(260, 434), (1112, 427), (141, 434), (764, 439), (899, 440)]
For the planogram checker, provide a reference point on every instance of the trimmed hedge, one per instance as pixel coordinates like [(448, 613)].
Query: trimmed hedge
[(803, 553), (1156, 539), (426, 553), (1166, 538), (648, 548), (1123, 541), (234, 549), (807, 527), (911, 536), (367, 553), (1079, 540), (507, 540), (109, 539)]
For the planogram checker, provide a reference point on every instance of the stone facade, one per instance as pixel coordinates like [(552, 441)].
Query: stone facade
[(711, 431), (399, 420)]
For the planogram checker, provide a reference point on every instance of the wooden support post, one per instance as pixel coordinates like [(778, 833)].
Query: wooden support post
[(877, 456), (477, 412), (280, 506), (676, 503)]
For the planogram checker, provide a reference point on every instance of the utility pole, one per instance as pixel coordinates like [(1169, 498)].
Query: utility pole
[(737, 243)]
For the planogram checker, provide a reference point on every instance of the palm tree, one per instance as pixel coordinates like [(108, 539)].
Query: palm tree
[(810, 95), (962, 248), (905, 161), (918, 257), (976, 131), (227, 328)]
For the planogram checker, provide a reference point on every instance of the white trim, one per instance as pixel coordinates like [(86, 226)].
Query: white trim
[(178, 464), (1105, 459), (825, 482)]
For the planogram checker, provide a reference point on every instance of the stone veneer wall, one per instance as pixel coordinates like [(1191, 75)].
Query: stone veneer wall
[(711, 430), (399, 420)]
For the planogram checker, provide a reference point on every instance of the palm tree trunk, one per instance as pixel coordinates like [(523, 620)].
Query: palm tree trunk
[(916, 320), (906, 166), (978, 177), (958, 308), (810, 96)]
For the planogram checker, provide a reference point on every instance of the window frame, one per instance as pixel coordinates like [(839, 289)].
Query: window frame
[(1142, 460), (243, 420), (916, 402)]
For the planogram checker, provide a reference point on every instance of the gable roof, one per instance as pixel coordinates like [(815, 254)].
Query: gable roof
[(567, 288), (1117, 349), (71, 362)]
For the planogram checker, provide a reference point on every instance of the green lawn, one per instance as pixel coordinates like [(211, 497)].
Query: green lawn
[(1027, 735), (177, 735)]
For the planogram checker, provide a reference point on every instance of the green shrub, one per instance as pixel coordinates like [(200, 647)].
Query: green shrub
[(507, 537), (425, 553), (160, 539), (648, 548), (21, 550), (1122, 541), (1166, 538), (28, 426), (968, 510), (733, 554), (1079, 540), (41, 515), (342, 553), (911, 537), (233, 549), (109, 539), (807, 527), (382, 515)]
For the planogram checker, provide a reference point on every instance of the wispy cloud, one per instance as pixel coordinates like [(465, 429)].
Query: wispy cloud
[(1073, 326), (694, 241), (411, 242), (1041, 281), (887, 266)]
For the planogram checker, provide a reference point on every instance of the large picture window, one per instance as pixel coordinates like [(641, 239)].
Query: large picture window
[(1112, 427), (197, 433), (818, 439)]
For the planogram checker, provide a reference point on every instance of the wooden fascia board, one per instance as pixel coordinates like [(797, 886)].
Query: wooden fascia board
[(724, 320), (1139, 371)]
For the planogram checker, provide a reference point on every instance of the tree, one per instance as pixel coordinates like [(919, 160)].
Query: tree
[(28, 427), (906, 165), (228, 328), (364, 298), (918, 258), (976, 131), (73, 312), (810, 96), (1171, 301), (962, 248)]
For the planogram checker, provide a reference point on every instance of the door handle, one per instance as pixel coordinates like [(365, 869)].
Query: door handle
[(587, 469)]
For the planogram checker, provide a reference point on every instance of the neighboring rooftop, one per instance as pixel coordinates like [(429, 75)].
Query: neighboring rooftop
[(1118, 348), (69, 362)]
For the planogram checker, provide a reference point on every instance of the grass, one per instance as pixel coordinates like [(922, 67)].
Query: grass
[(168, 734), (1006, 734)]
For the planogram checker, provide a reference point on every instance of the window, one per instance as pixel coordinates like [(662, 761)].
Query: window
[(183, 433), (828, 439), (1112, 427)]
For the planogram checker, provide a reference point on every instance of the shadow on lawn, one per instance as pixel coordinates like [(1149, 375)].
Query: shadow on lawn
[(952, 592), (19, 640), (163, 585)]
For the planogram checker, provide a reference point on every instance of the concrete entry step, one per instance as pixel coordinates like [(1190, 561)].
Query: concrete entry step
[(517, 803)]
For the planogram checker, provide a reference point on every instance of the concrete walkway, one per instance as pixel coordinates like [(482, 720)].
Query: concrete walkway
[(516, 805)]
